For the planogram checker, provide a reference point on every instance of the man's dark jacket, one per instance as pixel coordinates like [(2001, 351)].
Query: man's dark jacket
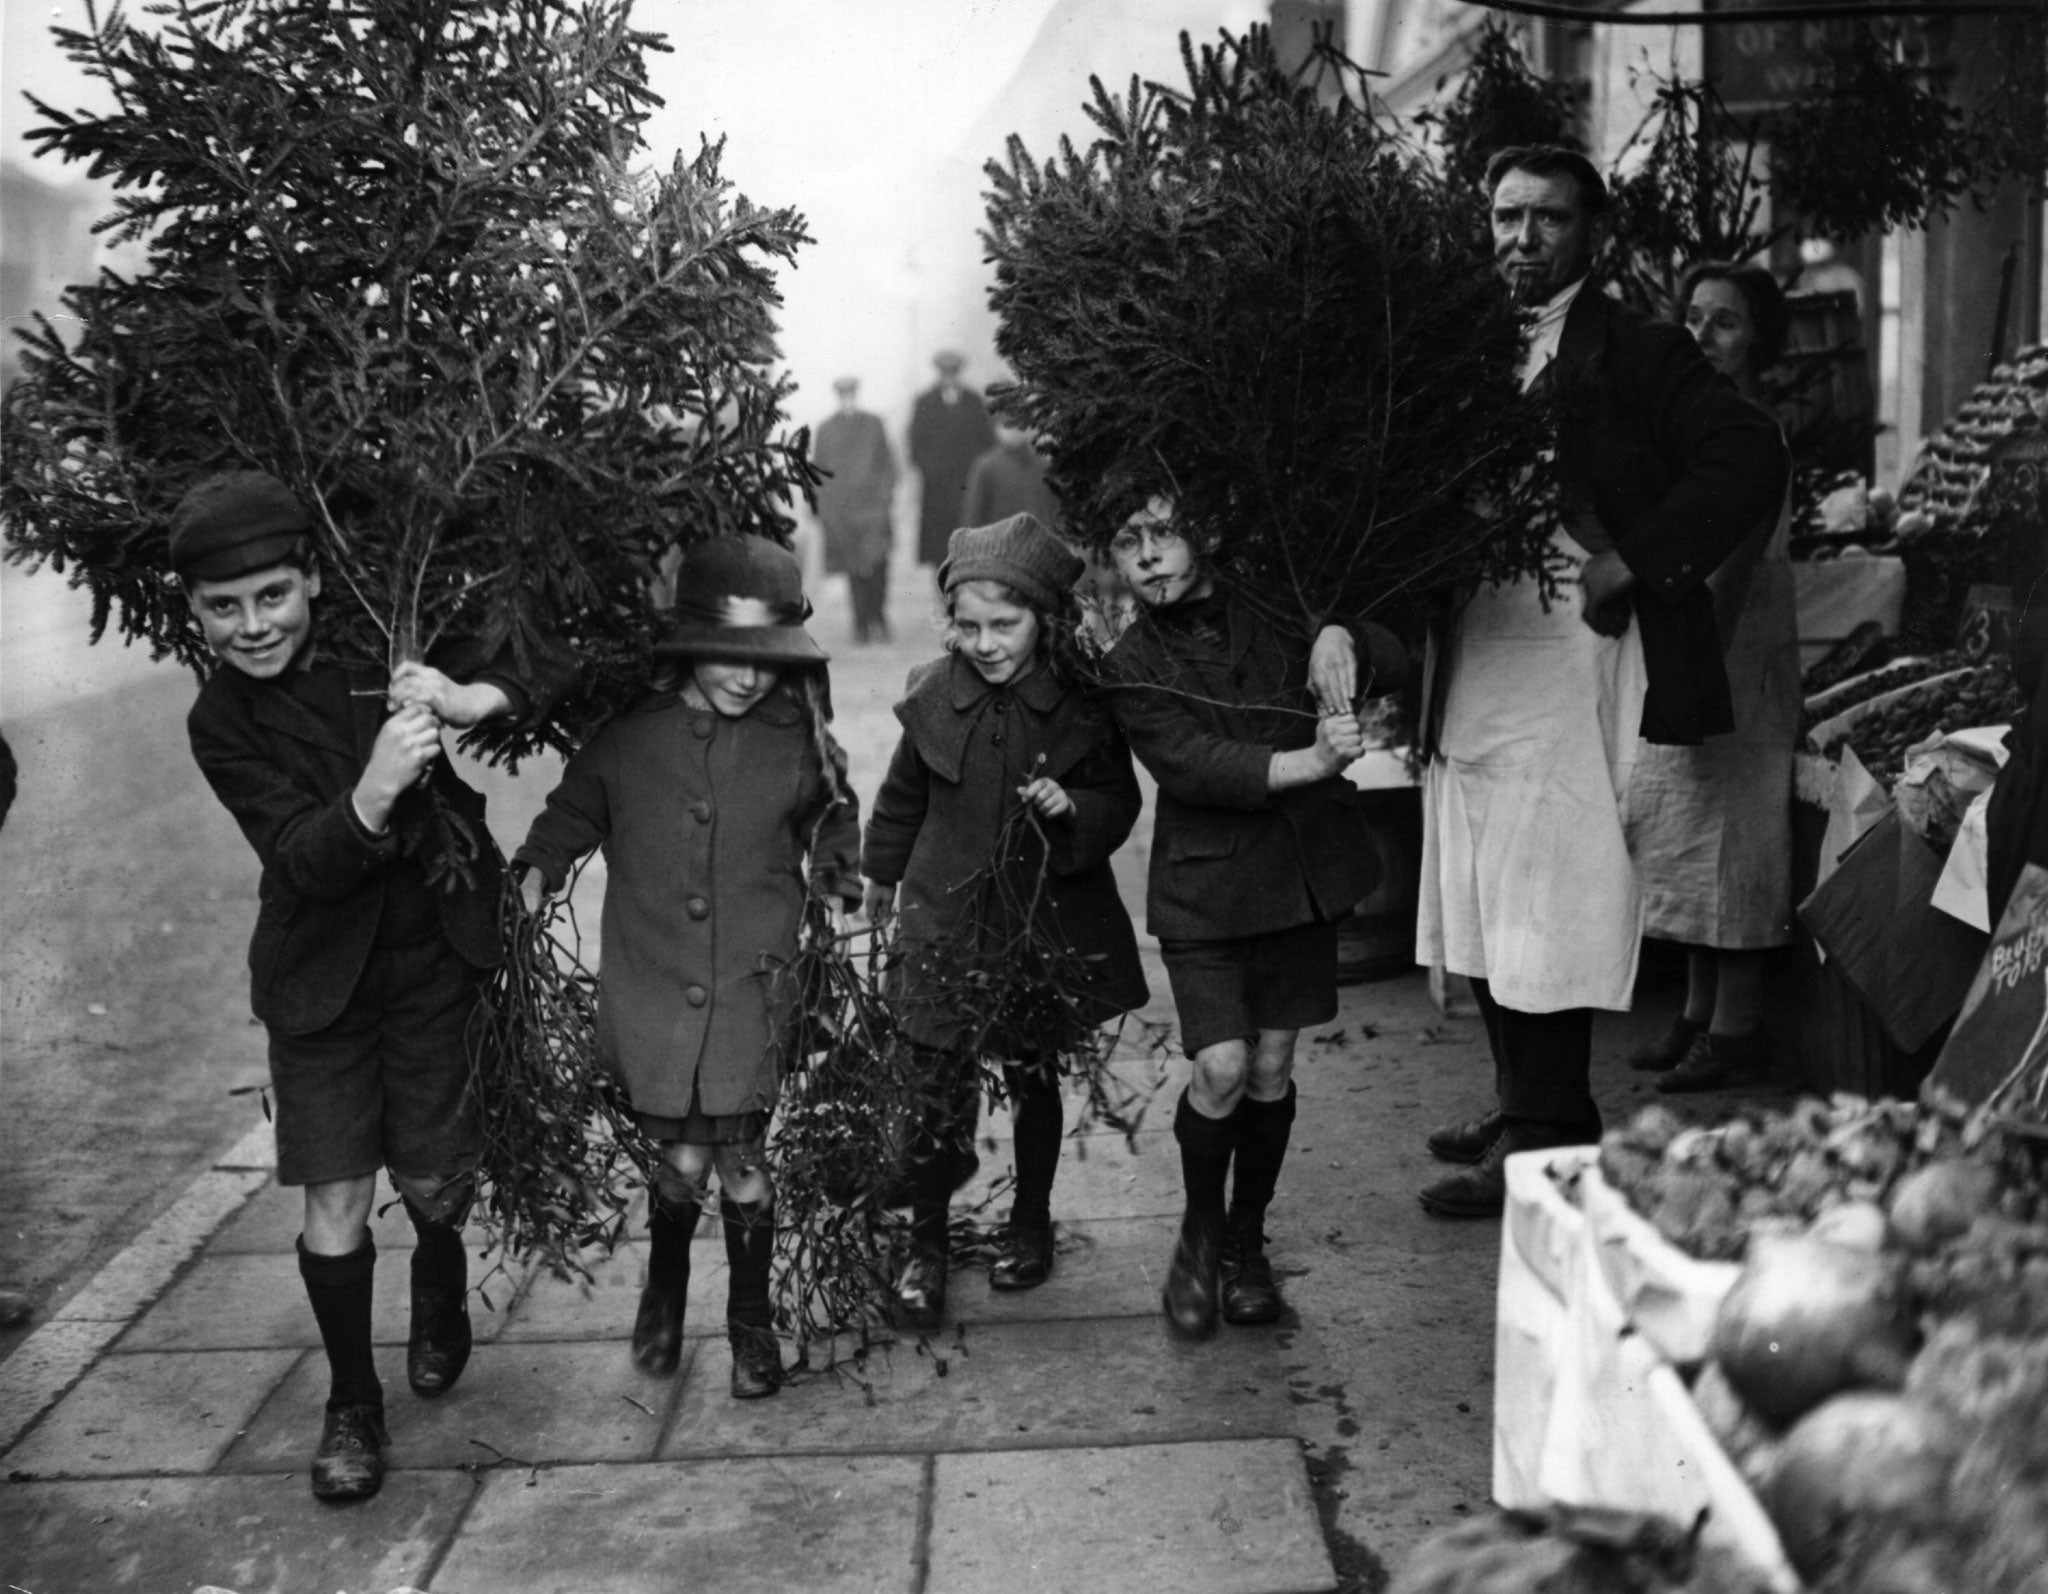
[(1207, 692), (1677, 469), (285, 769)]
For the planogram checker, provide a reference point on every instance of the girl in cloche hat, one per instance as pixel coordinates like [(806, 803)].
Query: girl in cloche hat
[(1006, 768), (715, 798)]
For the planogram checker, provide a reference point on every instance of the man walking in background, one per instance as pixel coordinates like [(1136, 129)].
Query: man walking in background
[(949, 431), (852, 448)]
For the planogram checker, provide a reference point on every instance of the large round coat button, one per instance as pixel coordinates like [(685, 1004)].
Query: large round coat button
[(701, 729), (698, 908), (700, 810), (696, 996)]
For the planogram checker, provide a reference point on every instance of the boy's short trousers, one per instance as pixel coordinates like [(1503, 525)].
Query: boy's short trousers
[(1227, 990), (386, 1085)]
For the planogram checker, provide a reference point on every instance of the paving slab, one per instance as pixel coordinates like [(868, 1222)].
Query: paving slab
[(172, 1411), (1003, 1385), (258, 1299), (822, 1524), (517, 1406), (255, 1535), (1099, 1178), (1220, 1518), (603, 1309), (1108, 1268)]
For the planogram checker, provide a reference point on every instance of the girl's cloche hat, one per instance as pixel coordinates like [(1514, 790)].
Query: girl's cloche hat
[(1020, 553), (741, 598)]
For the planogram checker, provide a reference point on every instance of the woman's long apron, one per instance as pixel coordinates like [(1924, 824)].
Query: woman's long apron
[(1527, 881)]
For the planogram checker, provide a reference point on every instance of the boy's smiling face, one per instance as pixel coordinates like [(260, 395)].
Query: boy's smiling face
[(1156, 560), (258, 622)]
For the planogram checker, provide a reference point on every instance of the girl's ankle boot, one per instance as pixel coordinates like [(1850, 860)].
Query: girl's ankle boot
[(658, 1326), (749, 1314)]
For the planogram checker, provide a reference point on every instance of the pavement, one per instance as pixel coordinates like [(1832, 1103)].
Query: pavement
[(155, 1424)]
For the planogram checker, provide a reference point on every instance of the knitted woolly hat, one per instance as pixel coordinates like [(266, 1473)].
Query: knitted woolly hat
[(1020, 553), (741, 598), (228, 525)]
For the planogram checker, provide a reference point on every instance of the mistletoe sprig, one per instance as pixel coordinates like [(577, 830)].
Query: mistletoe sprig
[(1254, 297), (400, 256)]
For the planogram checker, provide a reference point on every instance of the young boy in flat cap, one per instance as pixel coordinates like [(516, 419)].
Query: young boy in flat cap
[(1259, 847), (363, 973)]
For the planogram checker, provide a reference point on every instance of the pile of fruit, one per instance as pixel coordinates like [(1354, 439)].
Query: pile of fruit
[(1945, 483), (1983, 695), (1879, 1369), (1827, 703)]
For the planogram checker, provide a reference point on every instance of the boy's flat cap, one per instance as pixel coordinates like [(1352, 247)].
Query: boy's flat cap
[(228, 525)]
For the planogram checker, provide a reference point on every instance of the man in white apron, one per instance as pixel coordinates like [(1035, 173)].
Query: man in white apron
[(1527, 884)]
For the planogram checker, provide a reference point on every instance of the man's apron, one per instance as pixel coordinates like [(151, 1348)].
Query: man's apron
[(1526, 876)]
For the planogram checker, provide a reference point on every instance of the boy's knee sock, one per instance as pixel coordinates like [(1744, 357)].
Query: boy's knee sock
[(1264, 1128), (439, 1262), (1039, 1121), (1205, 1147), (339, 1289), (749, 1248), (670, 1224)]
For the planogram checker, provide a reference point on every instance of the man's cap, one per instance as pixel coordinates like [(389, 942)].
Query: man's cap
[(741, 598), (949, 361), (1020, 553), (846, 384), (230, 524)]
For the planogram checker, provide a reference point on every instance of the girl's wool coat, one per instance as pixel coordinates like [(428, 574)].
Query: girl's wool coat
[(705, 823), (966, 748)]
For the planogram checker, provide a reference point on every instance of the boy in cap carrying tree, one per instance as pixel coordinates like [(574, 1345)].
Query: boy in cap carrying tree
[(363, 973)]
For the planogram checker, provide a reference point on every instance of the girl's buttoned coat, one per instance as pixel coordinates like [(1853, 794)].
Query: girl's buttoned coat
[(952, 786), (705, 823)]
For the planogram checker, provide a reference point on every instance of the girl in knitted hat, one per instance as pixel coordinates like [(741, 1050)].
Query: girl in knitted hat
[(713, 797), (1005, 798)]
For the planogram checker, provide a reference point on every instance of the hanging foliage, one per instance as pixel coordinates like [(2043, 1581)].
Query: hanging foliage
[(1498, 103), (399, 256), (1255, 298)]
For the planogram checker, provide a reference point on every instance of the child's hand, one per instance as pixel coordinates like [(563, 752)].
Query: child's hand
[(1047, 797), (1340, 740), (450, 702), (407, 743), (878, 903), (533, 891), (1333, 669)]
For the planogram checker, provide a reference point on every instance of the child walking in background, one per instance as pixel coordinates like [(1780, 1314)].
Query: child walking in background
[(1258, 848), (708, 798), (993, 726)]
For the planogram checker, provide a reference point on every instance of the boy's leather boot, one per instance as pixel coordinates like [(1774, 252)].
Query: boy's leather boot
[(349, 1462), (658, 1325), (438, 1347), (749, 1315)]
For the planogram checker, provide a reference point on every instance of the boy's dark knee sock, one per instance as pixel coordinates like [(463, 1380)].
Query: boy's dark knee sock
[(1205, 1147), (339, 1288), (1039, 1121), (439, 1262), (670, 1225), (749, 1249), (1263, 1130)]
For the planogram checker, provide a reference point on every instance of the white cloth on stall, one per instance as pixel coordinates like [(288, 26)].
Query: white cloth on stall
[(1527, 881)]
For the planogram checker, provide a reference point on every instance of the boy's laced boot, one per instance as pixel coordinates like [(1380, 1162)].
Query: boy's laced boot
[(658, 1324), (749, 1315), (1190, 1296), (1263, 1131), (349, 1462), (438, 1347)]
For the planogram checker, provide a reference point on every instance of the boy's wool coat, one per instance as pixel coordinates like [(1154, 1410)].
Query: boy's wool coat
[(705, 822), (1207, 692), (284, 757), (966, 748)]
